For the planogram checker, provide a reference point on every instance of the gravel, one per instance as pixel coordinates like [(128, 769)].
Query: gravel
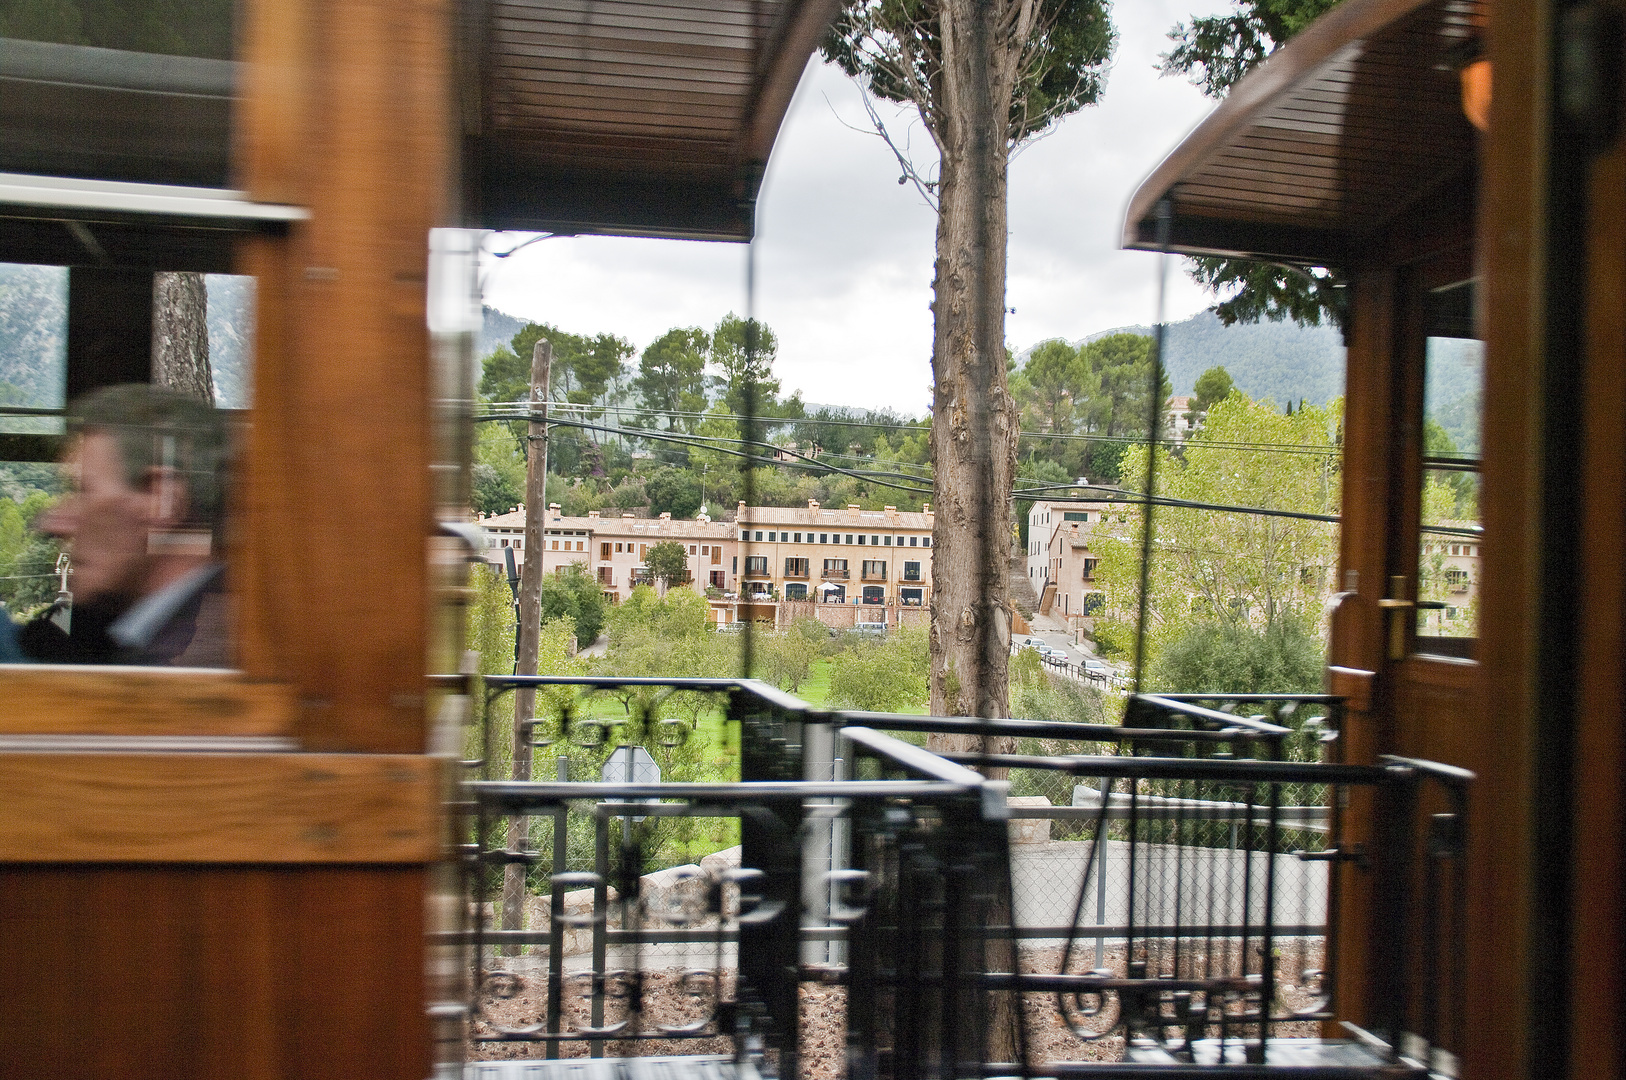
[(672, 998)]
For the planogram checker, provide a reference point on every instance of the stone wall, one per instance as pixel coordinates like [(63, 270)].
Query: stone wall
[(847, 616)]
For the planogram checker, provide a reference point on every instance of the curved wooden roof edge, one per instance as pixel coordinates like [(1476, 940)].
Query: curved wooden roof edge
[(777, 84), (1284, 69)]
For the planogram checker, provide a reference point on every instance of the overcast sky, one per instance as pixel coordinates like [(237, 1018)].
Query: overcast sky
[(844, 254)]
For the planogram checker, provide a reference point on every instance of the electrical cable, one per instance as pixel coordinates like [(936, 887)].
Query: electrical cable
[(816, 465)]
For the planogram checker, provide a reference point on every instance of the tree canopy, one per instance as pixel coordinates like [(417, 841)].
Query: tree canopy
[(895, 50), (573, 594), (1212, 386), (1231, 570), (668, 562)]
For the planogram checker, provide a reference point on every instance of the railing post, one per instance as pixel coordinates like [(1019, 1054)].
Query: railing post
[(601, 923), (556, 911)]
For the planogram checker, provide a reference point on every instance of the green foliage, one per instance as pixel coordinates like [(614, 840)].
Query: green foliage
[(1212, 385), (504, 376), (1036, 694), (743, 350), (1228, 569), (673, 491), (1272, 291), (671, 375), (1100, 388), (785, 659), (1059, 380), (1120, 364), (573, 595), (666, 636), (1212, 658), (895, 49), (668, 561), (884, 676), (27, 559), (489, 633), (1217, 50)]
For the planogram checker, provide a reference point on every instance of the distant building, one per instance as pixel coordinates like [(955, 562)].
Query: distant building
[(1060, 562), (872, 558), (843, 567), (1179, 419), (1448, 585), (613, 549)]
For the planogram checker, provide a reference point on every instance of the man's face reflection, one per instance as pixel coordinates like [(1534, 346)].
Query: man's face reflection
[(104, 521)]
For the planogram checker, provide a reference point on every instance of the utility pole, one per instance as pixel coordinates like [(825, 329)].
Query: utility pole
[(530, 625)]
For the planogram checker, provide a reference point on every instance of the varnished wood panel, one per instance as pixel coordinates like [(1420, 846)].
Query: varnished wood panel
[(1357, 628), (338, 506), (251, 973), (219, 808), (48, 700), (1600, 750), (1510, 250)]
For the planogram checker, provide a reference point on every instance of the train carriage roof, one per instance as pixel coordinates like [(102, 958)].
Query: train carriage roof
[(650, 117), (1346, 131), (637, 117)]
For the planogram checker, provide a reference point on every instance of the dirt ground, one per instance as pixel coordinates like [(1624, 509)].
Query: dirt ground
[(673, 999)]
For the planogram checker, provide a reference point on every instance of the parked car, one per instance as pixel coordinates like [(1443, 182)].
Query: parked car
[(871, 629)]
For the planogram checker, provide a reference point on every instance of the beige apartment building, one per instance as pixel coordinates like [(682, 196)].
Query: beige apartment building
[(613, 547), (1448, 586), (842, 566), (1060, 563), (873, 559)]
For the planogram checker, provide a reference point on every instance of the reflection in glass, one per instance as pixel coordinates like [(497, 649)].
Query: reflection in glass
[(1448, 564)]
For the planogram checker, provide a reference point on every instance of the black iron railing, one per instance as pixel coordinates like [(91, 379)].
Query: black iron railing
[(1195, 917)]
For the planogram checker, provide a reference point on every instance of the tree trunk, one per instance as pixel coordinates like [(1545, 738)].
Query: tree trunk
[(530, 627), (974, 421), (180, 335)]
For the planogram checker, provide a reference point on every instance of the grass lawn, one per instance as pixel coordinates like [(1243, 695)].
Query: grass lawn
[(816, 690)]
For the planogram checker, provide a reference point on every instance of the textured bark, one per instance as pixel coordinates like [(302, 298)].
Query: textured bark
[(974, 419), (180, 335), (974, 422), (530, 626)]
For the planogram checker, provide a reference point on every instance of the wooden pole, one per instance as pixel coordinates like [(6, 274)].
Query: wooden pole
[(530, 623)]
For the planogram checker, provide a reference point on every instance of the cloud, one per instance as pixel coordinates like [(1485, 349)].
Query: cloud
[(844, 253)]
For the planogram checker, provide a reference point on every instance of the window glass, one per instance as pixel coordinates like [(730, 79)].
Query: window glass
[(135, 90), (1448, 571)]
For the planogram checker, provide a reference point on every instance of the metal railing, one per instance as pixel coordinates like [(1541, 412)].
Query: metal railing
[(1197, 842)]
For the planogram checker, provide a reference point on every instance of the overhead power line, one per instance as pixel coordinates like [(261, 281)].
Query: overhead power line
[(1122, 440), (807, 463)]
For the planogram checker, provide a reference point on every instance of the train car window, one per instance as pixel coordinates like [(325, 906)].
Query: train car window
[(120, 393), (134, 91), (1448, 563)]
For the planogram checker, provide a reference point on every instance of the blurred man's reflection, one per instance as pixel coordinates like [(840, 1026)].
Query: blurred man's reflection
[(142, 522)]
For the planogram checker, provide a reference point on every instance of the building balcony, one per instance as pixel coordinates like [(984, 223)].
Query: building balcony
[(836, 575), (799, 575), (878, 576), (912, 577)]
